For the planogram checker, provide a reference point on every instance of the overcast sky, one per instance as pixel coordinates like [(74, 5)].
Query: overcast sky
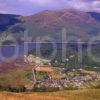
[(29, 7)]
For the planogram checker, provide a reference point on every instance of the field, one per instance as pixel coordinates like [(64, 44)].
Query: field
[(19, 76), (62, 95)]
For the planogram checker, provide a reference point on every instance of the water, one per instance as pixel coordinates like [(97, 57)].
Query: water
[(9, 50)]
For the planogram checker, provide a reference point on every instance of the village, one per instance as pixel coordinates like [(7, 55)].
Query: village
[(60, 78)]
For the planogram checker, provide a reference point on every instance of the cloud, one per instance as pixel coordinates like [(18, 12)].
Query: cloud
[(86, 5), (41, 2), (96, 5), (28, 7)]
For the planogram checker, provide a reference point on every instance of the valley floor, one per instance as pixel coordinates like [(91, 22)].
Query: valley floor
[(91, 94)]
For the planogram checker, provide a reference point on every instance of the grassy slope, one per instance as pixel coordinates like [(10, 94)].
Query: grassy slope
[(63, 95), (19, 76)]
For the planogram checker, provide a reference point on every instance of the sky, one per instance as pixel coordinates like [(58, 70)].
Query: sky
[(29, 7)]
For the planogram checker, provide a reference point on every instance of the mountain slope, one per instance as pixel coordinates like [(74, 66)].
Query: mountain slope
[(7, 21), (95, 15), (83, 25)]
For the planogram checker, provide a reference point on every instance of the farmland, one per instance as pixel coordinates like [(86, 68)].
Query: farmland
[(92, 94)]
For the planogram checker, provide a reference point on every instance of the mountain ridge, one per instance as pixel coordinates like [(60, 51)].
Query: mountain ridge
[(83, 25)]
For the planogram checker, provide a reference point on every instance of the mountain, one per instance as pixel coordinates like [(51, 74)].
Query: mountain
[(95, 15), (7, 20), (76, 23), (83, 25)]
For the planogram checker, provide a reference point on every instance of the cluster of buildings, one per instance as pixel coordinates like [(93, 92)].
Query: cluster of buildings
[(37, 60), (68, 82)]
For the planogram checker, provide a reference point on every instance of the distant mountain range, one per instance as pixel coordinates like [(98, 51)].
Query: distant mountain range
[(83, 25)]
